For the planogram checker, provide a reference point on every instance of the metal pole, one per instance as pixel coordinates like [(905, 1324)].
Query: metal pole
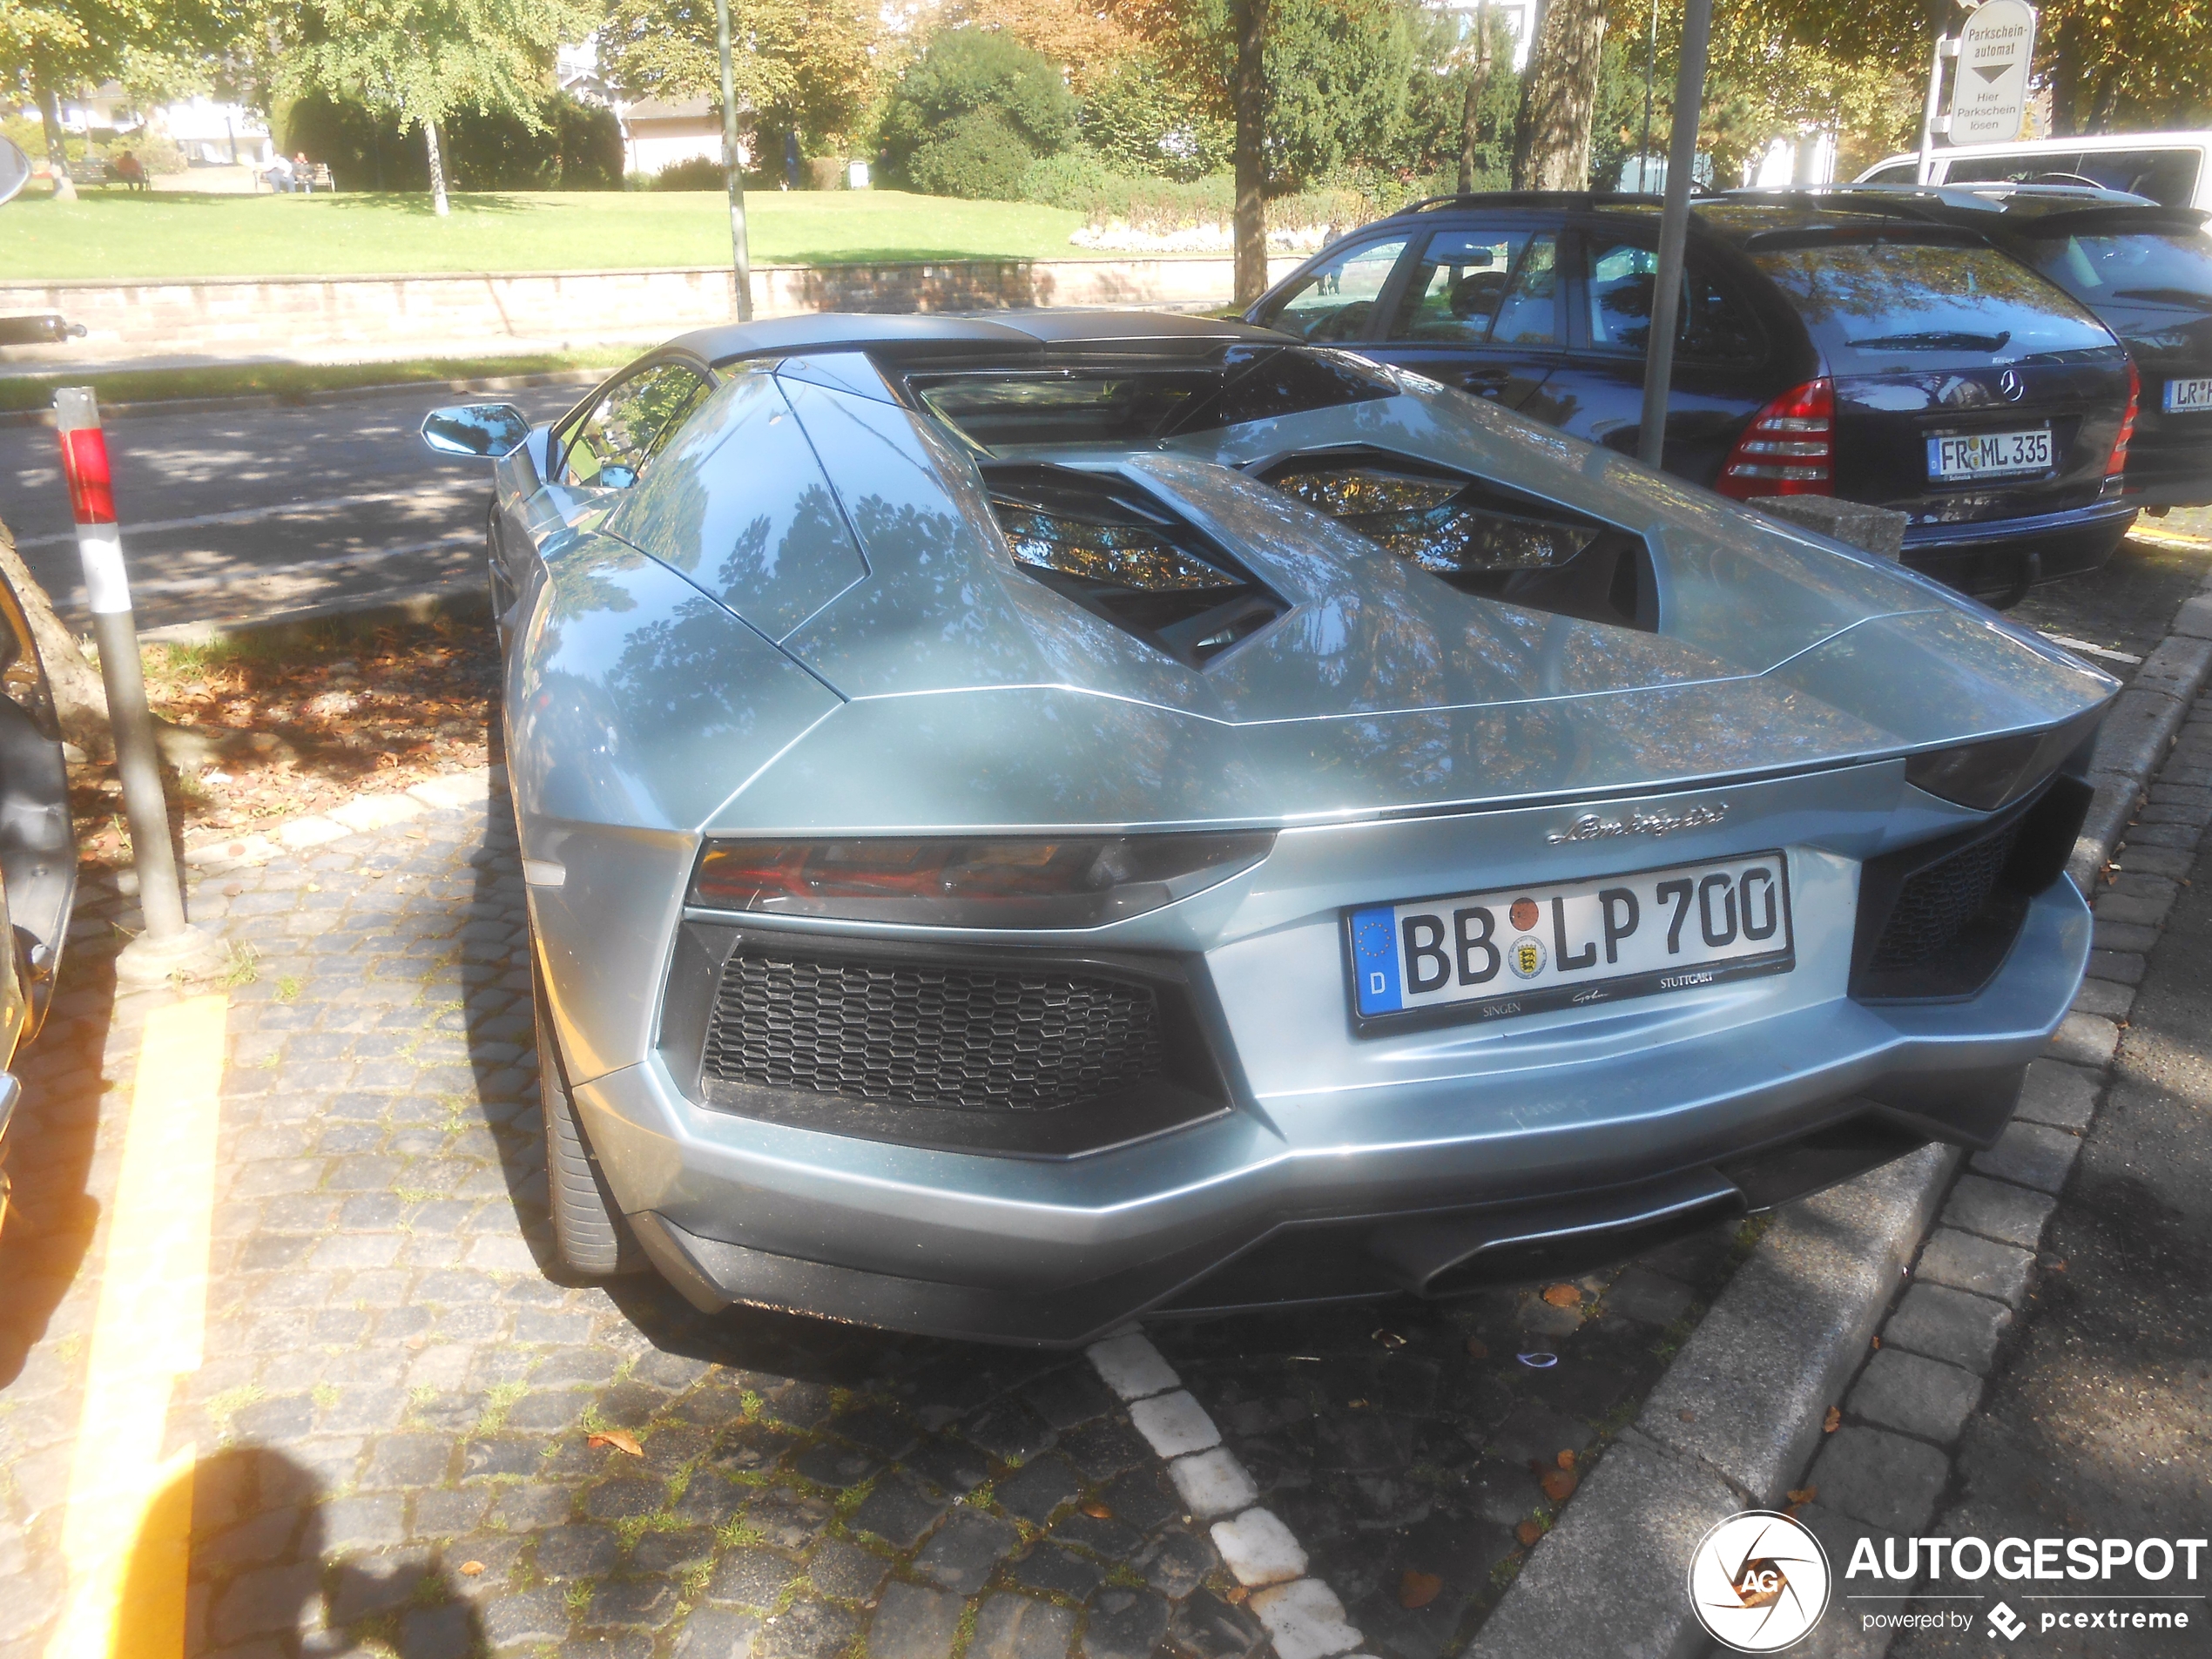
[(1674, 230), (170, 943), (1651, 75), (741, 256)]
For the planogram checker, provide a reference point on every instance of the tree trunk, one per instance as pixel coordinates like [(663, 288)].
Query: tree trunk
[(1478, 82), (437, 169), (1551, 140), (1248, 92), (80, 695), (80, 700), (49, 117)]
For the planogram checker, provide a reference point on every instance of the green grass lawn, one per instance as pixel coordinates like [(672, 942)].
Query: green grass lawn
[(109, 233)]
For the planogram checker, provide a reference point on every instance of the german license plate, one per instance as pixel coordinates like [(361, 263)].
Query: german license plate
[(1989, 454), (1521, 950), (2188, 397)]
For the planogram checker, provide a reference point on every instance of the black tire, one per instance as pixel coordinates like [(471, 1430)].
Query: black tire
[(589, 1233)]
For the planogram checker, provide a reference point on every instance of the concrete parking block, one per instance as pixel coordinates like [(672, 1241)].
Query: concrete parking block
[(2084, 1040), (2061, 1096), (1955, 1327), (2033, 1154), (1259, 1549), (311, 832), (1968, 1262), (1174, 1423), (1998, 1210), (375, 812), (1884, 1479), (1915, 1394), (1132, 1367), (1212, 1483), (1305, 1620)]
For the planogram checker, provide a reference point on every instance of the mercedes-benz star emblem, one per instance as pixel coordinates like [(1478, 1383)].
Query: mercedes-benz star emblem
[(2011, 385)]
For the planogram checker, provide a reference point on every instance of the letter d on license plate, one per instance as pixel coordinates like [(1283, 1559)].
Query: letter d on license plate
[(1486, 955)]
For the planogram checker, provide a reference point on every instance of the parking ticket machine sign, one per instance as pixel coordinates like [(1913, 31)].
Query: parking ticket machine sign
[(1989, 95)]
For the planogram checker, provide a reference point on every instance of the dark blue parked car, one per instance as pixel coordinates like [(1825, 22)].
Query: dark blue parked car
[(2144, 269), (1824, 348)]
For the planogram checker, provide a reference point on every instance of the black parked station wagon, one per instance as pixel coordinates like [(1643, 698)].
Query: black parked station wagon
[(1824, 349)]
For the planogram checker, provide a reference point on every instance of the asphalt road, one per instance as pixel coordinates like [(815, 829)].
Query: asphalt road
[(238, 515)]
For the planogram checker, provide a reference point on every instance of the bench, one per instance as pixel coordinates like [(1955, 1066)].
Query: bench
[(315, 176)]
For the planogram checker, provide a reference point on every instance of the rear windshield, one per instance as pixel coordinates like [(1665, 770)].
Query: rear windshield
[(2165, 176), (1872, 305), (2129, 268)]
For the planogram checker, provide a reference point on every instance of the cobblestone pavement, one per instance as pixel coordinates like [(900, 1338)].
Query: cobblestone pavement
[(1417, 1449), (413, 1440)]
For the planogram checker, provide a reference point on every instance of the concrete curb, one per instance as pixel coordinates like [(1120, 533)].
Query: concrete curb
[(464, 602), (1740, 1411), (244, 400)]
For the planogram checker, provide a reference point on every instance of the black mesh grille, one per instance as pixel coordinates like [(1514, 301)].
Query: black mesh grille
[(931, 1035), (1935, 905)]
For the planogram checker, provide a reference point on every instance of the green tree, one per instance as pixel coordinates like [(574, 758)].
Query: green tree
[(809, 66), (50, 48), (976, 100), (421, 60), (1142, 118)]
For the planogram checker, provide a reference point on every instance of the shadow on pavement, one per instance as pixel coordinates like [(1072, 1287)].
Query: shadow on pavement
[(252, 1505)]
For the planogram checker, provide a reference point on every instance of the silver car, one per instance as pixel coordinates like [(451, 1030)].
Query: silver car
[(1034, 820)]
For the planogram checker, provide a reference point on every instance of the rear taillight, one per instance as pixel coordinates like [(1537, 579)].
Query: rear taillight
[(2118, 464), (1789, 448)]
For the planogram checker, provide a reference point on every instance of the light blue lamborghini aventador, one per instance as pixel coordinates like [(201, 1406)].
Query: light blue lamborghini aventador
[(1034, 820)]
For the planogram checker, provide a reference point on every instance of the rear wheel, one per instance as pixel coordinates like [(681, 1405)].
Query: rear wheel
[(588, 1232)]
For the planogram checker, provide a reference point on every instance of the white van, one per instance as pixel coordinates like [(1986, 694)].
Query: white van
[(2173, 168)]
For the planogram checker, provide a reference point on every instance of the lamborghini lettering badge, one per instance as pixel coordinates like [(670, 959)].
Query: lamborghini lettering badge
[(1592, 827)]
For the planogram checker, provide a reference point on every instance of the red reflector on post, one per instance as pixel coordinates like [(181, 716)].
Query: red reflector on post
[(1789, 448), (92, 492)]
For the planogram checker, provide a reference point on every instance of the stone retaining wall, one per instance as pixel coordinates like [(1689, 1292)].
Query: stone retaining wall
[(344, 318)]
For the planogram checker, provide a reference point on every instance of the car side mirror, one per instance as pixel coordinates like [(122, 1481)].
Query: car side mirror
[(486, 431), (615, 478)]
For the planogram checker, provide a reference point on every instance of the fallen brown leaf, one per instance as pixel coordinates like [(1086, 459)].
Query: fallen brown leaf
[(1559, 1485), (1098, 1510), (1529, 1531), (1418, 1590), (621, 1440), (1566, 1460), (1688, 1417), (1833, 1421), (1805, 1494), (471, 1569), (1477, 1348), (1878, 1342), (1236, 1594), (1563, 1296)]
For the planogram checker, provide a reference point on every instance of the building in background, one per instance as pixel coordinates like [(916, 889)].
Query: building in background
[(205, 133), (654, 134)]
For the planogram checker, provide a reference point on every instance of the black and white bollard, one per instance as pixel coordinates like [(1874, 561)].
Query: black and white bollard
[(170, 945)]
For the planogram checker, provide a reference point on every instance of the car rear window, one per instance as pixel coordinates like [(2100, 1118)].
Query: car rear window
[(2130, 267), (1883, 303), (2166, 175)]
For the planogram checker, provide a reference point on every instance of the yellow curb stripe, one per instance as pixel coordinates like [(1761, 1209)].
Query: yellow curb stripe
[(126, 1529)]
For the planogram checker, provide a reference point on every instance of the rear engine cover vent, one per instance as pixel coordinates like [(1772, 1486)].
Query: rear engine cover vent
[(1937, 921), (1479, 536), (921, 1034), (1115, 551)]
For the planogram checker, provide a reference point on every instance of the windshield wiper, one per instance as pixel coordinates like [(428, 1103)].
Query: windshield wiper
[(2166, 296), (1939, 339)]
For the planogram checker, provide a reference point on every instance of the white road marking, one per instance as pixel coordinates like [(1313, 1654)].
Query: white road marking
[(255, 515), (2087, 650)]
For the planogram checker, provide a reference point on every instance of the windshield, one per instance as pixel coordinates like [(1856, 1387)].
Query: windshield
[(1882, 305), (2135, 268)]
